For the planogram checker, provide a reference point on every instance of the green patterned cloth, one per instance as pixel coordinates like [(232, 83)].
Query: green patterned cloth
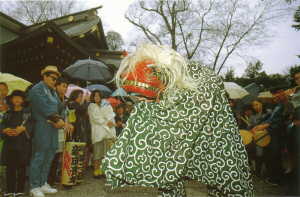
[(196, 137)]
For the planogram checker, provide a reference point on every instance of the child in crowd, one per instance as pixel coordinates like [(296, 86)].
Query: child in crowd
[(61, 87), (15, 130), (120, 118), (77, 116), (77, 105)]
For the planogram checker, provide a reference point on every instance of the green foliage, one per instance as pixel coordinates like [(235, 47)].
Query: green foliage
[(253, 74), (297, 19), (253, 70), (229, 75), (269, 82), (292, 71), (290, 1)]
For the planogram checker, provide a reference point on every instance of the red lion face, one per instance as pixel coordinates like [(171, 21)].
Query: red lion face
[(144, 80)]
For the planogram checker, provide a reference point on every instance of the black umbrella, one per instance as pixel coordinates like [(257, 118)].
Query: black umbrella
[(89, 70)]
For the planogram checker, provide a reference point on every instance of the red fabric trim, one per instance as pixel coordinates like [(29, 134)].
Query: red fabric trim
[(140, 90)]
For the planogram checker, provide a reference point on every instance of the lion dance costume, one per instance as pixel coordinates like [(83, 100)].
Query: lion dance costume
[(190, 133)]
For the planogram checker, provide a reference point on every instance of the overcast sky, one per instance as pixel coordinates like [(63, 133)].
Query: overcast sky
[(280, 53)]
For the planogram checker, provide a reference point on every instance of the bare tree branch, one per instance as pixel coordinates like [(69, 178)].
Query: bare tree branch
[(212, 30), (227, 30), (148, 9), (146, 31), (235, 45), (201, 30), (184, 40), (31, 12)]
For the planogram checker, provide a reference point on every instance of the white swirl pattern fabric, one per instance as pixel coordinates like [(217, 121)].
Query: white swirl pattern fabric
[(196, 138)]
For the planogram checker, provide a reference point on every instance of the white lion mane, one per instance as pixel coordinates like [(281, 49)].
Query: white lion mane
[(167, 60)]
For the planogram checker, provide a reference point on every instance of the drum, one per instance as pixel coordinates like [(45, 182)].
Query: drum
[(247, 136), (72, 166), (262, 138), (80, 166)]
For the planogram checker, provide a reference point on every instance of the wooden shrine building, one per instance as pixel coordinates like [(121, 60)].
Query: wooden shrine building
[(25, 50)]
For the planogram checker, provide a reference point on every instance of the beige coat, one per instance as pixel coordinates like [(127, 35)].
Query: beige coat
[(99, 117)]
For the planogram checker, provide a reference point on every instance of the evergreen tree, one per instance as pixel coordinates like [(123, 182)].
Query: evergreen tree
[(229, 75), (297, 19), (253, 70)]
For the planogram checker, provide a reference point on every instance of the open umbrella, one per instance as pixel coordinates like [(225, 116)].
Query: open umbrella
[(13, 82), (102, 88), (119, 92), (234, 90), (72, 87), (89, 70), (253, 90)]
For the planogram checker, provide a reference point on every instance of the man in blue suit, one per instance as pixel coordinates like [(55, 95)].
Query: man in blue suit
[(45, 109)]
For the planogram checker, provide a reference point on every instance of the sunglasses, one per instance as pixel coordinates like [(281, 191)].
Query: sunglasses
[(53, 78)]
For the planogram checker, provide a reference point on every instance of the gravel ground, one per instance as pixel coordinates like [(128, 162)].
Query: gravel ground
[(96, 188)]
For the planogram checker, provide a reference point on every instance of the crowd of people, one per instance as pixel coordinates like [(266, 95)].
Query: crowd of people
[(36, 125), (273, 146), (196, 138)]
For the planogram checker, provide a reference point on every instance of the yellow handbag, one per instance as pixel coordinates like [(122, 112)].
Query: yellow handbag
[(71, 116)]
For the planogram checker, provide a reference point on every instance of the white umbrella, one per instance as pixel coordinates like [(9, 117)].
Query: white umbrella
[(234, 90), (13, 82), (72, 87)]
